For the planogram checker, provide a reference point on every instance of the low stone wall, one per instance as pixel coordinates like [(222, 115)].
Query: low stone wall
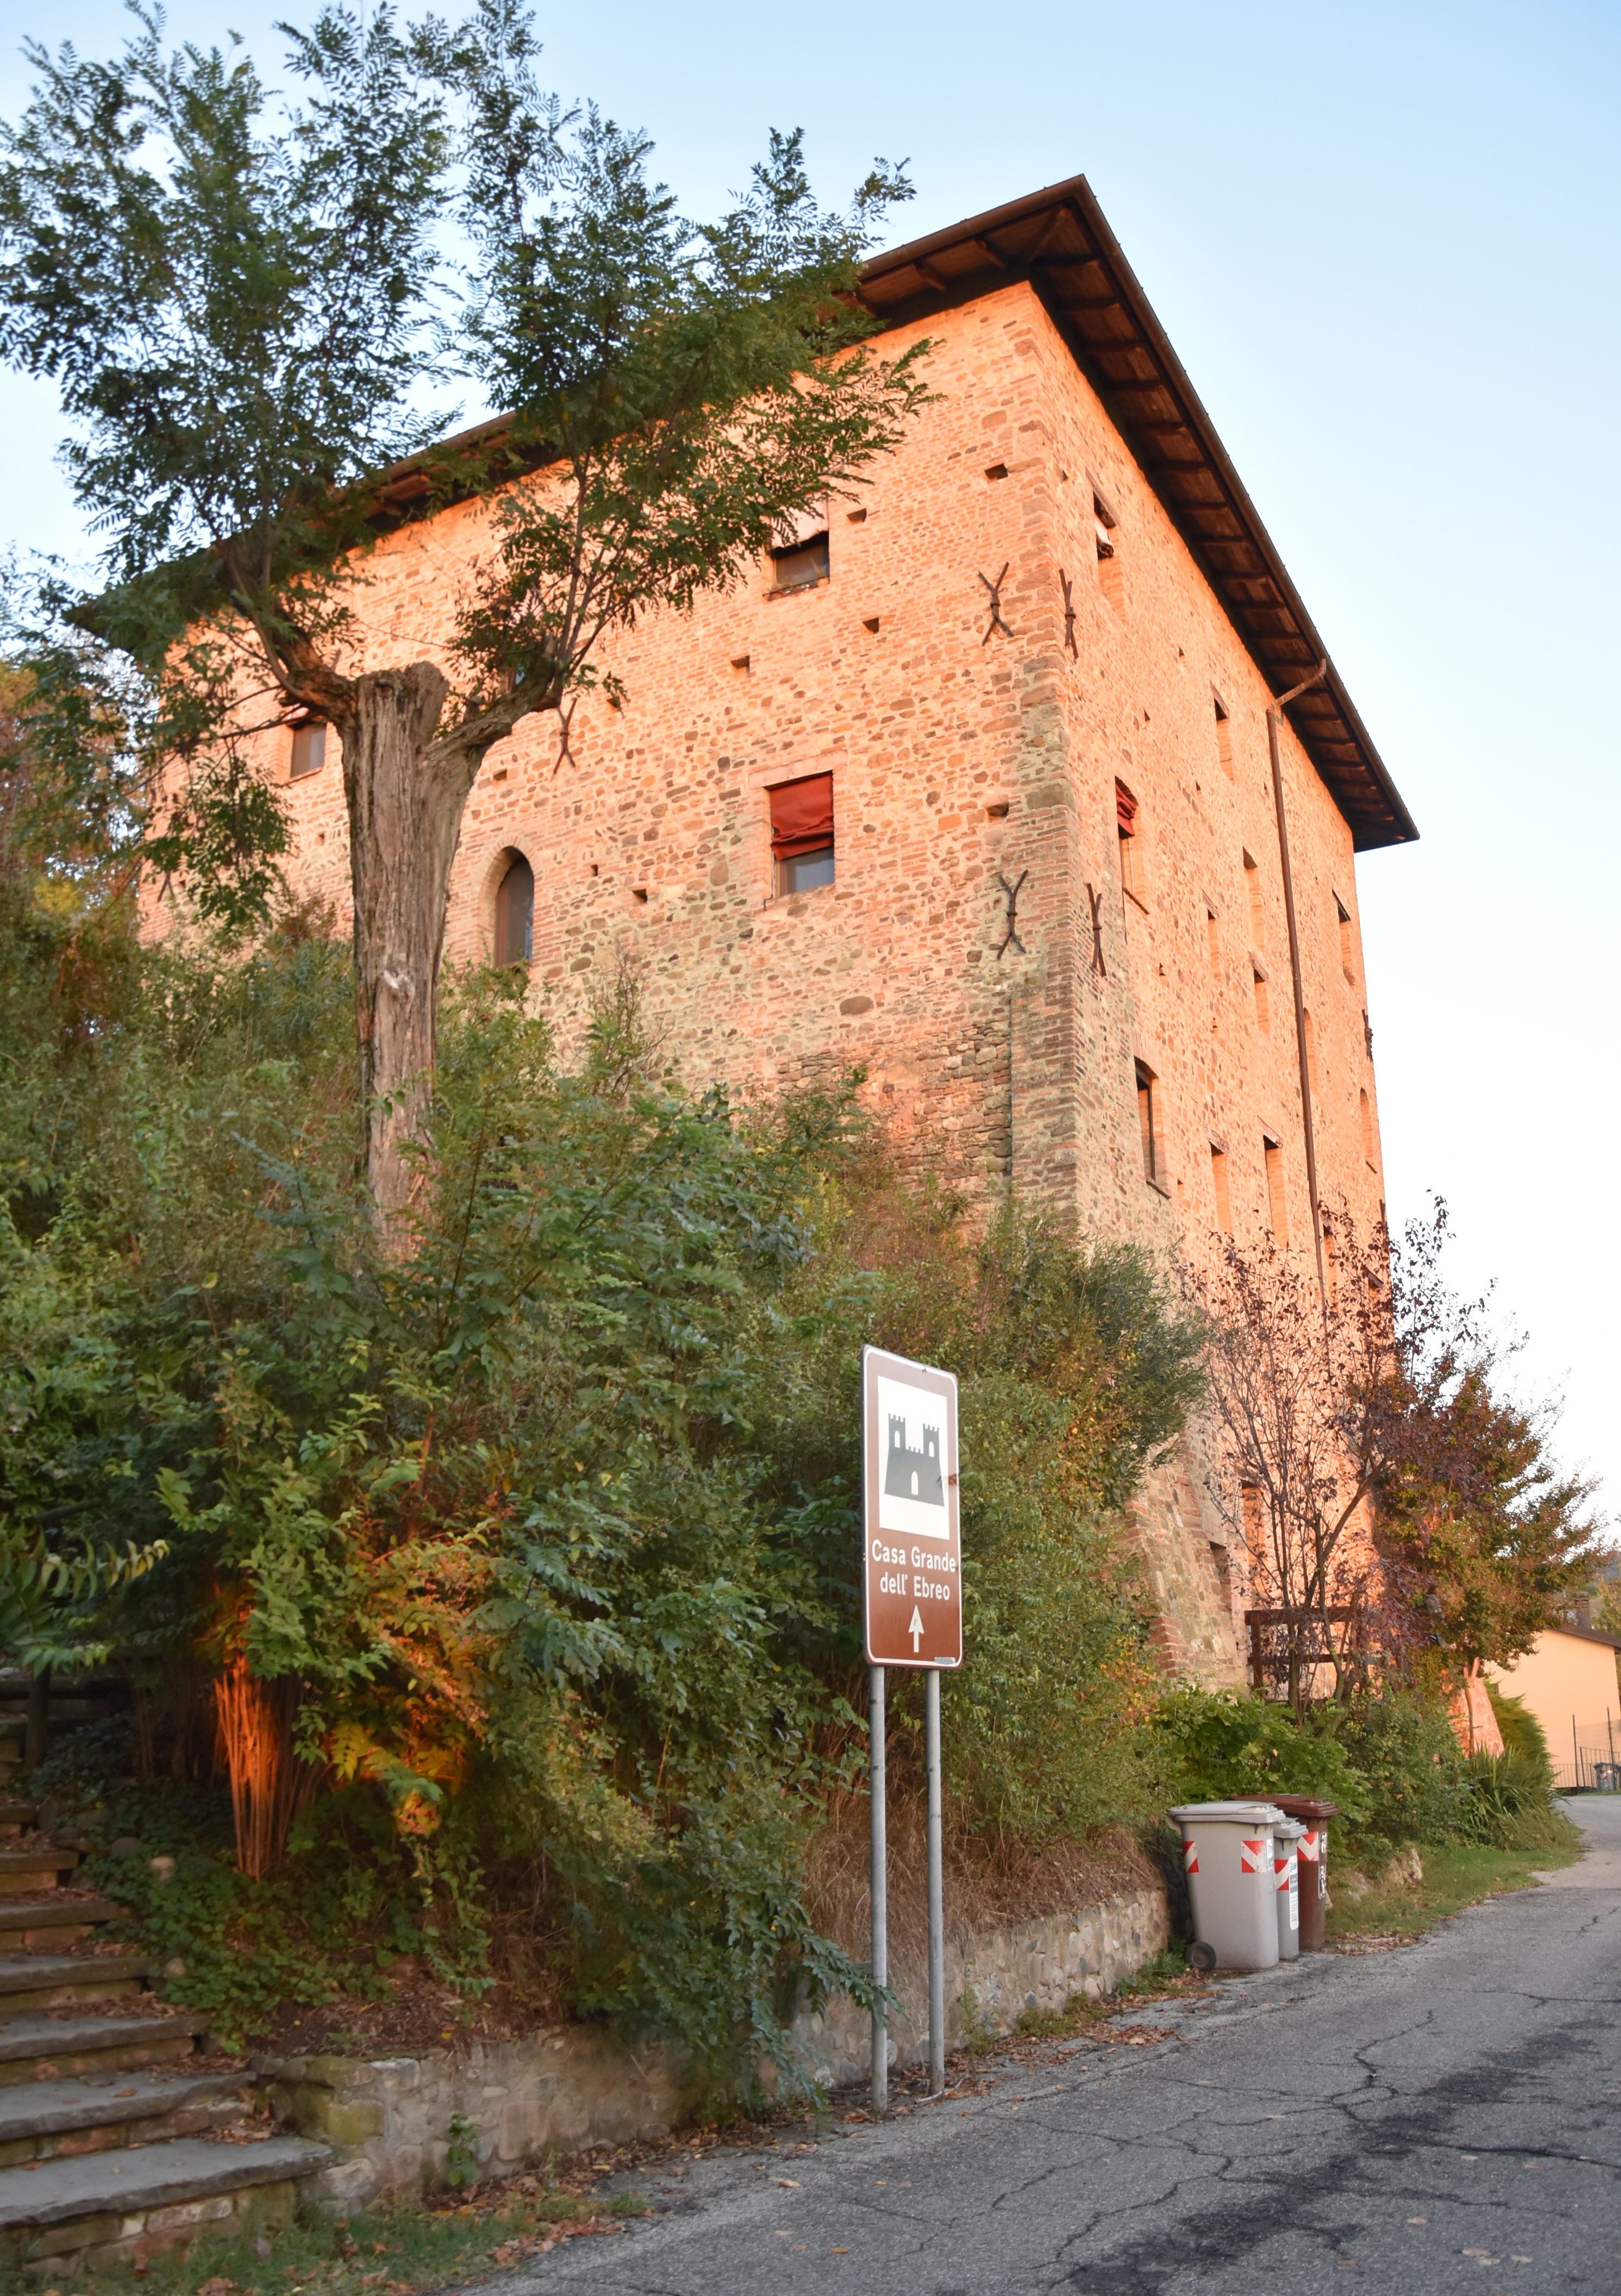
[(992, 1979), (524, 2101), (388, 2119)]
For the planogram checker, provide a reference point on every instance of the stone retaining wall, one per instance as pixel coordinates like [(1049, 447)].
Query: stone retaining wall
[(557, 2091)]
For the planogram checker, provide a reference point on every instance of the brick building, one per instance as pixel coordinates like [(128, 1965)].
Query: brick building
[(974, 785)]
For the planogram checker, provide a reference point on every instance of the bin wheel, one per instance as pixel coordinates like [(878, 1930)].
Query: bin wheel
[(1202, 1957)]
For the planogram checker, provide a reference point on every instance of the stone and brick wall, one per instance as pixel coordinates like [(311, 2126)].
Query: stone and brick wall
[(524, 2102), (964, 759)]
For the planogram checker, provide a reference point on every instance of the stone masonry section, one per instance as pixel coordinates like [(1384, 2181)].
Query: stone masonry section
[(966, 759)]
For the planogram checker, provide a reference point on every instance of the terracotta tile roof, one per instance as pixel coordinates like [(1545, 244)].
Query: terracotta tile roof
[(1058, 240)]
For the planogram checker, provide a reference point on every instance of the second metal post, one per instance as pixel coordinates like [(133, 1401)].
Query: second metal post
[(880, 1891), (937, 1888)]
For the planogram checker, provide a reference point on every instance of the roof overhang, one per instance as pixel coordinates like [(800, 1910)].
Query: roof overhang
[(1059, 241)]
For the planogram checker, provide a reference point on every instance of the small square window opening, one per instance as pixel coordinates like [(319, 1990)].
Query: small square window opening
[(802, 833), (308, 749)]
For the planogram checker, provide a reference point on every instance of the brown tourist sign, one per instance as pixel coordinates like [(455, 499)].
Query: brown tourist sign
[(911, 1541)]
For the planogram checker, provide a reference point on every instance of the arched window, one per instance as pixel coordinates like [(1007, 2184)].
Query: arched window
[(515, 913)]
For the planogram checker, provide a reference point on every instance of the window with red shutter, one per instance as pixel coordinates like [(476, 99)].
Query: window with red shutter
[(802, 833)]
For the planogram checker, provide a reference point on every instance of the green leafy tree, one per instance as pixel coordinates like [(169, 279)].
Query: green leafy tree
[(1484, 1536), (242, 300), (1400, 1509)]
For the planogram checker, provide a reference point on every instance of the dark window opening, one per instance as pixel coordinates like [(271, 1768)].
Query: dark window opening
[(515, 913), (1221, 1184), (1148, 1122), (1257, 915), (308, 749), (1125, 832), (1277, 1209), (1347, 942), (800, 565), (802, 833), (1224, 734)]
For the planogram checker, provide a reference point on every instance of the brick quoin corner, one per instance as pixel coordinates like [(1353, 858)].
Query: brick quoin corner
[(1063, 426)]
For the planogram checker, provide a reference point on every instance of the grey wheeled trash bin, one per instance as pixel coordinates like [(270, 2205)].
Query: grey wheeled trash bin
[(1286, 1869), (1227, 1849)]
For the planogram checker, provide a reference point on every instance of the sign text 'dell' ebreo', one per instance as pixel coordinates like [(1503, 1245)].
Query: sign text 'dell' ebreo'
[(912, 1543)]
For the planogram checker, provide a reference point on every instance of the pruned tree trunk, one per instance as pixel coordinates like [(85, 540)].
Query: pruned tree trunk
[(271, 1783), (406, 791)]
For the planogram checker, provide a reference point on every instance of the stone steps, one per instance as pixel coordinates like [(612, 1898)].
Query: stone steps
[(24, 1871), (50, 1923), (57, 1980), (69, 2215), (113, 2147), (70, 2046), (40, 2120)]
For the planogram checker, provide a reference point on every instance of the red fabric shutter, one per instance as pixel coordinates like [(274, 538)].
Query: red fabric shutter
[(802, 815)]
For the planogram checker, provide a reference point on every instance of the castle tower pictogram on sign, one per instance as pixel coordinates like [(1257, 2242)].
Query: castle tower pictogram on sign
[(914, 1474)]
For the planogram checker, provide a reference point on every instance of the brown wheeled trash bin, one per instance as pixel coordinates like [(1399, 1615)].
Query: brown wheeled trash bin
[(1314, 1851)]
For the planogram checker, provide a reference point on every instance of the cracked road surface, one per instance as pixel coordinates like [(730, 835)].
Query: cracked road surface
[(1445, 2116)]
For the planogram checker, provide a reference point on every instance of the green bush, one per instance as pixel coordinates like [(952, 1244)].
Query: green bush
[(551, 1522), (1214, 1746), (1408, 1759)]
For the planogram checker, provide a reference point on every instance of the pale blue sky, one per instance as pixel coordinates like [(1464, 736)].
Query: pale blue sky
[(1384, 240)]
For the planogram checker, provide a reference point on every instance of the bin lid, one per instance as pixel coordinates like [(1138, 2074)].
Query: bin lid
[(1290, 1828), (1306, 1806), (1230, 1813)]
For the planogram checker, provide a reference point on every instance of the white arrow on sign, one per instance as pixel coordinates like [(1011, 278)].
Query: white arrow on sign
[(915, 1629)]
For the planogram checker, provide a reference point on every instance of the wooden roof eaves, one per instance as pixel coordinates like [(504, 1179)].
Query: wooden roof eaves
[(1282, 653)]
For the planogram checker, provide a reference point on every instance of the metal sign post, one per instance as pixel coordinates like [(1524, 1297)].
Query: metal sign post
[(880, 1889), (937, 1888), (912, 1581)]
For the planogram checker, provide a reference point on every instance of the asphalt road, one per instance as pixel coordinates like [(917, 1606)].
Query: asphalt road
[(1445, 2116)]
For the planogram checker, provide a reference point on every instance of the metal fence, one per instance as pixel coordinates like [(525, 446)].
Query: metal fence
[(1586, 1762)]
